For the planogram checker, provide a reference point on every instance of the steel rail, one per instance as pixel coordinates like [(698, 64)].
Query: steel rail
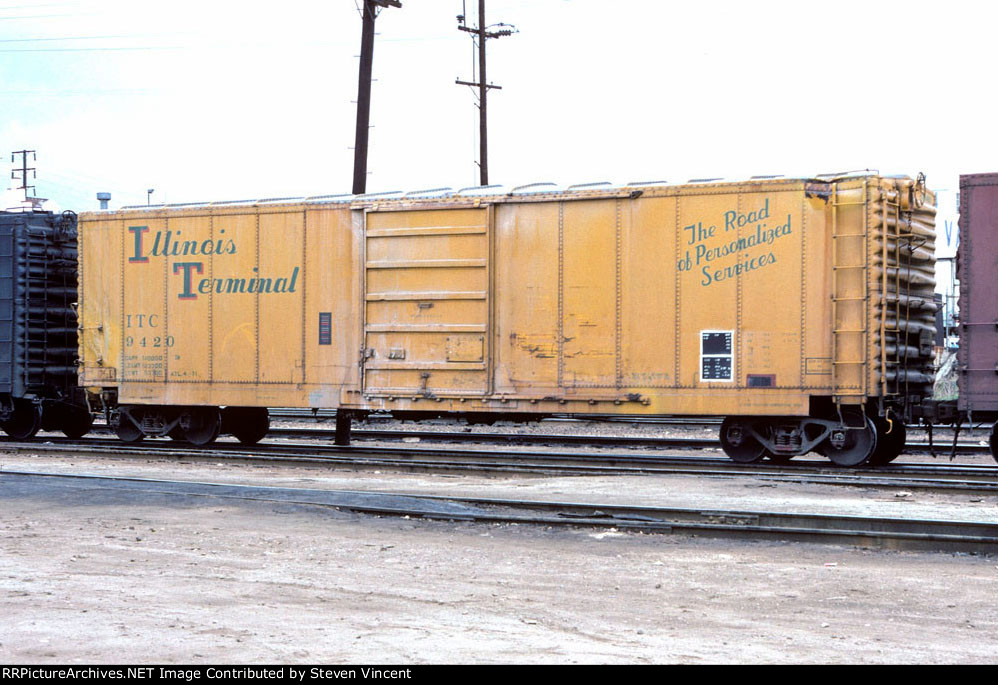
[(975, 537), (964, 478)]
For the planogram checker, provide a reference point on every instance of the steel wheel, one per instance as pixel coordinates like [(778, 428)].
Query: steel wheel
[(994, 441), (126, 430), (857, 447), (24, 422), (889, 445), (76, 423), (202, 425), (738, 443), (249, 425)]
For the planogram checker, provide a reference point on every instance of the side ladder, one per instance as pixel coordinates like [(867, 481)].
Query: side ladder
[(850, 296), (888, 363)]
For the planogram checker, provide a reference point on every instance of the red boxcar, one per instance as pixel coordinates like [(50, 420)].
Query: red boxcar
[(977, 268)]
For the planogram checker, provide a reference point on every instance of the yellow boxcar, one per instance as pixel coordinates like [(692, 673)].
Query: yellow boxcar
[(799, 309)]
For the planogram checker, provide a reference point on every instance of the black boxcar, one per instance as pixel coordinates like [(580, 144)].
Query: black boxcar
[(38, 326)]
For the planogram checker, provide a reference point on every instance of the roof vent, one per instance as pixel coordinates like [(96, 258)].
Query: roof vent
[(387, 195), (854, 172), (428, 192), (331, 199), (597, 184), (544, 187), (482, 190)]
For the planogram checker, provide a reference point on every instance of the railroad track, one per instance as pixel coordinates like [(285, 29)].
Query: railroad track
[(602, 441), (879, 532), (964, 478), (913, 447)]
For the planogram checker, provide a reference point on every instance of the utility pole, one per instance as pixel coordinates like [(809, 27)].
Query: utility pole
[(24, 169), (370, 13), (480, 34)]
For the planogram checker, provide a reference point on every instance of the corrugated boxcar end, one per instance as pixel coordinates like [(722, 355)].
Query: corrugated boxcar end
[(902, 305), (38, 325)]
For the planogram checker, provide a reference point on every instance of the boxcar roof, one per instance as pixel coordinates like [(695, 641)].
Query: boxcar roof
[(546, 189)]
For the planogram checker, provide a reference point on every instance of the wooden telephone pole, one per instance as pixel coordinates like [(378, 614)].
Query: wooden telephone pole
[(370, 13), (24, 171), (480, 34)]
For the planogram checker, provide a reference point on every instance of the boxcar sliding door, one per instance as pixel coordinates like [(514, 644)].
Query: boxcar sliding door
[(427, 308)]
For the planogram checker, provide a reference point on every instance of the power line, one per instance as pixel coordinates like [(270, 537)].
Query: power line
[(36, 39), (403, 39), (481, 34), (49, 16), (144, 48), (206, 46), (34, 7), (87, 92)]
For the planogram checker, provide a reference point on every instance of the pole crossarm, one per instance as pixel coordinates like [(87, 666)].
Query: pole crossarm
[(476, 85)]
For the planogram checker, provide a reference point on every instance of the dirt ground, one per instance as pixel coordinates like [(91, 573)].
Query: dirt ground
[(98, 575)]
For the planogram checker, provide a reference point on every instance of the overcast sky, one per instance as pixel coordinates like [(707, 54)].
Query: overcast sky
[(213, 100)]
